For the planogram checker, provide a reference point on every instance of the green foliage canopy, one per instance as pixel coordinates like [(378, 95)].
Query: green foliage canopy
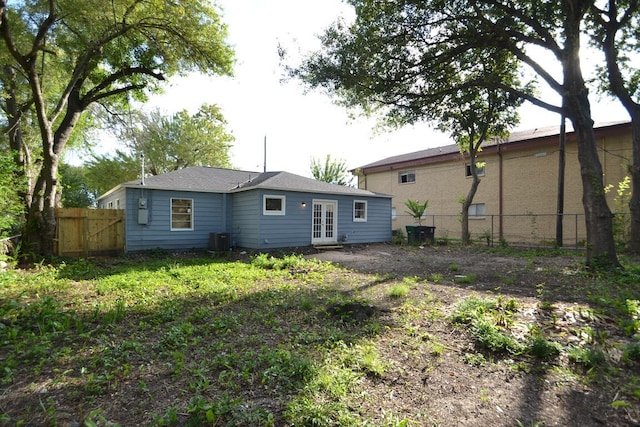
[(65, 55), (331, 171), (182, 140), (399, 59), (77, 192), (11, 206), (168, 143)]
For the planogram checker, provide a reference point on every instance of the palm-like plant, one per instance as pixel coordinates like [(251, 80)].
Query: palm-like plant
[(416, 209)]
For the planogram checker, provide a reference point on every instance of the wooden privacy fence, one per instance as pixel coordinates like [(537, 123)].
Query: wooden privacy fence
[(85, 232)]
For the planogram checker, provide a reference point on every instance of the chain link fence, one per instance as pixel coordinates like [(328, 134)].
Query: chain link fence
[(515, 229)]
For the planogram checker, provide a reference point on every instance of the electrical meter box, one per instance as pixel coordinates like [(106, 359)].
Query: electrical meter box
[(143, 216), (143, 213)]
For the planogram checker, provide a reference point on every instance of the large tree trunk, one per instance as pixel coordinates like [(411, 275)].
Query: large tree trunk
[(634, 170), (21, 153), (601, 250), (467, 203), (617, 84), (40, 227)]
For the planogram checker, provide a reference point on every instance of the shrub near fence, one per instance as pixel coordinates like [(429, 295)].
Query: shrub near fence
[(529, 229)]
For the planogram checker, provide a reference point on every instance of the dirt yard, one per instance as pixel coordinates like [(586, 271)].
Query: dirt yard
[(457, 390), (146, 367)]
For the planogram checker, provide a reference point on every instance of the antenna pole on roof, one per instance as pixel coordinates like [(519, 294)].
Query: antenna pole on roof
[(265, 153), (142, 168)]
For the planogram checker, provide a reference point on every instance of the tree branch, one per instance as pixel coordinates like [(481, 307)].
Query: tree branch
[(117, 91), (94, 94)]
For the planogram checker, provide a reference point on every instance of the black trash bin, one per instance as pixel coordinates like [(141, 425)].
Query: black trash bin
[(219, 242), (427, 234), (420, 234)]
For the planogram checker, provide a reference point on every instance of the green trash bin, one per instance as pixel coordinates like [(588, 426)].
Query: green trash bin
[(412, 234)]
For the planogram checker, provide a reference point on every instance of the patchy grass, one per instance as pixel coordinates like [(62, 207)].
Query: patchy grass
[(163, 339)]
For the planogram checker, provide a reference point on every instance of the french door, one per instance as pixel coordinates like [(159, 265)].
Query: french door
[(325, 217)]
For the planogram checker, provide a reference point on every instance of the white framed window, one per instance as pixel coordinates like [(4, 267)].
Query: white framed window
[(110, 205), (406, 177), (394, 214), (477, 210), (479, 169), (181, 214), (117, 203), (359, 210), (274, 205)]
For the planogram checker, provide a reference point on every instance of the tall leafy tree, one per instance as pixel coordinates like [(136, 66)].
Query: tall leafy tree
[(11, 205), (331, 171), (167, 143), (472, 117), (394, 58), (472, 113), (615, 29), (77, 189), (180, 140), (69, 54), (105, 171)]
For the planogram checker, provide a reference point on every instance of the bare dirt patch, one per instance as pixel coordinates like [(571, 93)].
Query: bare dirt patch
[(243, 356), (441, 376)]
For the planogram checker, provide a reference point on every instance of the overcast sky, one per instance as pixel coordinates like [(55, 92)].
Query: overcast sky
[(298, 126)]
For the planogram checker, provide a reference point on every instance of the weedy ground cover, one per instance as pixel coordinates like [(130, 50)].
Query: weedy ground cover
[(281, 339)]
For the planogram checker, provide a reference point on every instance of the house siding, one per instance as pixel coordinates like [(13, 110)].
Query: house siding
[(245, 219), (520, 184), (208, 217), (225, 201), (377, 227), (252, 229), (113, 199)]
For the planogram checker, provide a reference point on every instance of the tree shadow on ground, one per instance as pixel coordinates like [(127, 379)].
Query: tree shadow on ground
[(302, 350)]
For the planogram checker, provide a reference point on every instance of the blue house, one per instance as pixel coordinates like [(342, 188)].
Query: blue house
[(205, 207)]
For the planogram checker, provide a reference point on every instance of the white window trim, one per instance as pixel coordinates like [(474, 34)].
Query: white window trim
[(366, 213), (283, 211), (474, 205), (171, 214), (408, 172)]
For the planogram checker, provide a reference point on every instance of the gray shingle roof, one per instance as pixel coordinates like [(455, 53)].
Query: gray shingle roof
[(291, 182), (197, 178), (219, 180)]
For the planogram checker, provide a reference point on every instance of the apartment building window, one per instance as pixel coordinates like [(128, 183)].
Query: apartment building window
[(477, 210), (479, 169), (406, 177)]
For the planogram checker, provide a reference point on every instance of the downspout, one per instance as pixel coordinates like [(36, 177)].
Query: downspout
[(500, 193), (561, 167)]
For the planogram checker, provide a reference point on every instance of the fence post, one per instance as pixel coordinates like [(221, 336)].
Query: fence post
[(85, 235)]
